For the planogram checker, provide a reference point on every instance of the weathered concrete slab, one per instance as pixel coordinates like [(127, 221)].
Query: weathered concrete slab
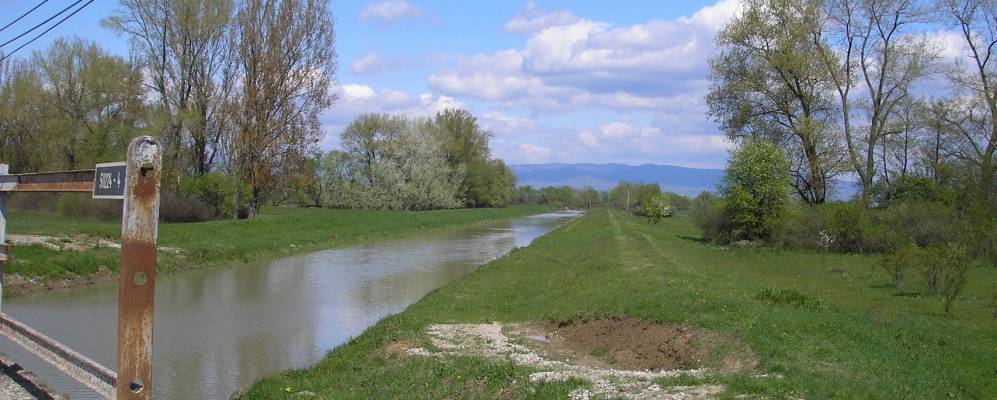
[(18, 384)]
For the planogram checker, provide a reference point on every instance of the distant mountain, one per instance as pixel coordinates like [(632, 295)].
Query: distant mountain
[(687, 181)]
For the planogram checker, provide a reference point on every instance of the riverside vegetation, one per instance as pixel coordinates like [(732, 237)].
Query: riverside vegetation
[(276, 232), (819, 323)]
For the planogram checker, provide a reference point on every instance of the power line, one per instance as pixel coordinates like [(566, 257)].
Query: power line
[(23, 15), (47, 30), (42, 23)]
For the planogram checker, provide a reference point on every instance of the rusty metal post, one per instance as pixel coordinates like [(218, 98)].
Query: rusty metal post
[(137, 276), (4, 254)]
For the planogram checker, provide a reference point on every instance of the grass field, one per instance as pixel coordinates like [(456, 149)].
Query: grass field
[(853, 336), (276, 232)]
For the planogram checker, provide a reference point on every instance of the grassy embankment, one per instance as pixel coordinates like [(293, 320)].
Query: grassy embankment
[(856, 337), (276, 232)]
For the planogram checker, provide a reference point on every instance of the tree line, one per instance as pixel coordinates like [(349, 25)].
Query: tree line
[(233, 88), (835, 83), (818, 92), (402, 163)]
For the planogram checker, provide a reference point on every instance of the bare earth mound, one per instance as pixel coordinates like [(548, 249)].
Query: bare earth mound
[(621, 357), (633, 344)]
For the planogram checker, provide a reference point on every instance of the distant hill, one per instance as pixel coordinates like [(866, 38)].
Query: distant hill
[(687, 181)]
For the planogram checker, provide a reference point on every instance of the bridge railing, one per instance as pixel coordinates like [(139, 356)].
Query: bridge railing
[(137, 182)]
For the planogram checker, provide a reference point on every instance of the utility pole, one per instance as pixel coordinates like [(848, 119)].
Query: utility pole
[(628, 197)]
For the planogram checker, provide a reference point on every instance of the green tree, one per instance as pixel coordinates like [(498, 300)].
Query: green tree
[(768, 82), (489, 183), (755, 189)]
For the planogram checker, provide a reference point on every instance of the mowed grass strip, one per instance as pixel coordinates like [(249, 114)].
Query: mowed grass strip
[(276, 232), (823, 325)]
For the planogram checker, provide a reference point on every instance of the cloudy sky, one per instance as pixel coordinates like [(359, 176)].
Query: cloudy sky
[(556, 81)]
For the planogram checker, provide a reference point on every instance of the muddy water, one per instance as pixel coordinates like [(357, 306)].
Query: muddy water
[(220, 330)]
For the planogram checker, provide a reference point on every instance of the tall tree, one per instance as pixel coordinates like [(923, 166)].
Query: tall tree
[(768, 82), (975, 120), (184, 49), (95, 102), (287, 62), (870, 44)]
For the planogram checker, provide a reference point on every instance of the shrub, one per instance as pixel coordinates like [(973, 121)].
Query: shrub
[(82, 205), (710, 219), (896, 263), (755, 189), (789, 297), (175, 207), (952, 261), (216, 190), (655, 208)]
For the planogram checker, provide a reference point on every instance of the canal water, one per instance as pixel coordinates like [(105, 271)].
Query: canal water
[(219, 330)]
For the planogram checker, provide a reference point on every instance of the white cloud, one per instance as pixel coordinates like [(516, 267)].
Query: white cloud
[(501, 123), (367, 65), (568, 63), (588, 138), (389, 11), (356, 99), (534, 18), (535, 153)]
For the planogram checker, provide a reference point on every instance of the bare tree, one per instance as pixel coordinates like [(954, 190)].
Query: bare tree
[(183, 48), (869, 45), (287, 62), (974, 119)]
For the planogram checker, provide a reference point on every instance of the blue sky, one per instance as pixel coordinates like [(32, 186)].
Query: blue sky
[(556, 81)]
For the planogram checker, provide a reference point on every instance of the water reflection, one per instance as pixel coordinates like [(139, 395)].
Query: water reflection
[(222, 329)]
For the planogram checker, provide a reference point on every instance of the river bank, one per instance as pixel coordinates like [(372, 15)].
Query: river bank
[(564, 318), (79, 252)]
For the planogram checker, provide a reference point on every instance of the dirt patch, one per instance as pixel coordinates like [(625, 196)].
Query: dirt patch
[(398, 348), (632, 344), (545, 347), (71, 243), (19, 285)]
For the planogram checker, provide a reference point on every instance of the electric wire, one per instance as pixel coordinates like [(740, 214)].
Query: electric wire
[(42, 23), (5, 56), (23, 15)]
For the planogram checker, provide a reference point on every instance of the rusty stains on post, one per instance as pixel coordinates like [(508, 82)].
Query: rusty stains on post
[(137, 276)]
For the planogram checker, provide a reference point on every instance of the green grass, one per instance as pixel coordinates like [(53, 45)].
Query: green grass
[(276, 232), (829, 324)]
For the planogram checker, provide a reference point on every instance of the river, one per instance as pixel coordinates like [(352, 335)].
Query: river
[(219, 330)]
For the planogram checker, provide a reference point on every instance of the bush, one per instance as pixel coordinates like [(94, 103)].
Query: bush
[(215, 190), (175, 207), (655, 208), (755, 189), (951, 262), (708, 216), (896, 263), (80, 205)]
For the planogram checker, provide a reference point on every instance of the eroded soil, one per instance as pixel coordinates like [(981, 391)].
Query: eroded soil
[(633, 344), (622, 357)]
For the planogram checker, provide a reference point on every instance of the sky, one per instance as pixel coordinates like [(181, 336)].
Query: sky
[(555, 81)]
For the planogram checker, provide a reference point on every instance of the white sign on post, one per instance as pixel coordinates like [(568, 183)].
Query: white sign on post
[(109, 181)]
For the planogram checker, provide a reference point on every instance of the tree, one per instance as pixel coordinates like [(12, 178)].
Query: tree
[(185, 50), (768, 83), (287, 61), (975, 120), (21, 116), (869, 43), (488, 183), (93, 104), (755, 189), (391, 163)]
